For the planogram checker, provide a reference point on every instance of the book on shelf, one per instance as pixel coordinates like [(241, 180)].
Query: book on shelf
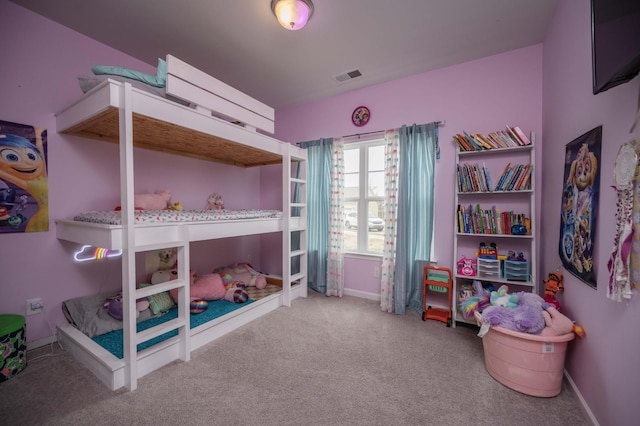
[(487, 178), (462, 144), (525, 184), (502, 177), (472, 142), (497, 140), (521, 135), (518, 185), (476, 220), (514, 177), (472, 178), (488, 141), (513, 136), (477, 137)]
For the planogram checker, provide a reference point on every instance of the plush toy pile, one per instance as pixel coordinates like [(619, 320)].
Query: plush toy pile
[(243, 273), (526, 313), (213, 287)]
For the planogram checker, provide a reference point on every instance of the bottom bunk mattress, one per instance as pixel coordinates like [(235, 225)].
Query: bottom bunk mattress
[(113, 341), (89, 315)]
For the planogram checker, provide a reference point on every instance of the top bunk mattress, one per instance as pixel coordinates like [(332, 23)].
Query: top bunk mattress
[(162, 227), (176, 216)]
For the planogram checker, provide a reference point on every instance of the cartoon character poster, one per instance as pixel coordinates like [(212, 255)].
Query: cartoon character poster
[(24, 188), (580, 205)]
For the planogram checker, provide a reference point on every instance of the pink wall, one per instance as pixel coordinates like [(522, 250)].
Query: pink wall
[(41, 60), (478, 96), (604, 365)]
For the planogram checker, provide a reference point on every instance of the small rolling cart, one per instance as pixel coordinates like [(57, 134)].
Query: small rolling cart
[(437, 281)]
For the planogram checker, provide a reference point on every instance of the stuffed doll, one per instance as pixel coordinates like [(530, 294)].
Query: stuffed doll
[(553, 286), (214, 202)]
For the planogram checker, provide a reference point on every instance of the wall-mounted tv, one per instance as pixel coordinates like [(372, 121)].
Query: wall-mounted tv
[(615, 37)]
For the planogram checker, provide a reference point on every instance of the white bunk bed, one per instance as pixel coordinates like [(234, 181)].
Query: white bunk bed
[(219, 125)]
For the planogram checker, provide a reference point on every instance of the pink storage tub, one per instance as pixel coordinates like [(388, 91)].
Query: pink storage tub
[(527, 363)]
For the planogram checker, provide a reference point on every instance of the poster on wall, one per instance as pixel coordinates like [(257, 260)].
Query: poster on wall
[(24, 187), (581, 186)]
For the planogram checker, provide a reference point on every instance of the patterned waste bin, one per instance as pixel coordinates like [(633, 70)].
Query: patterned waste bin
[(13, 346)]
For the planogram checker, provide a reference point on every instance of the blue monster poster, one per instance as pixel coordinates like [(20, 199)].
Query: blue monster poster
[(581, 185), (24, 187)]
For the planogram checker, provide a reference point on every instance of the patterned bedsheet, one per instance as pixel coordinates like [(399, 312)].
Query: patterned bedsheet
[(167, 216)]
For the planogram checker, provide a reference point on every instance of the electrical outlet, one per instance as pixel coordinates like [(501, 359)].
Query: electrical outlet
[(34, 306), (376, 272)]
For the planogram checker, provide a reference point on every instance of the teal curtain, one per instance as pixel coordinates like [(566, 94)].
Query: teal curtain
[(318, 197), (418, 149)]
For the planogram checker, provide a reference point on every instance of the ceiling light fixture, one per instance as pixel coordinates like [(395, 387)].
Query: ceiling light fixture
[(292, 14)]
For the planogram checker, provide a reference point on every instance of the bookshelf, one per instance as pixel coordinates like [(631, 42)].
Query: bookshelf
[(495, 208)]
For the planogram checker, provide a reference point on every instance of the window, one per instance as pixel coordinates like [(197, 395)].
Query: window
[(364, 197)]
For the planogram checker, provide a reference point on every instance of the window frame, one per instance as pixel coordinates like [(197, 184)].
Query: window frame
[(363, 199)]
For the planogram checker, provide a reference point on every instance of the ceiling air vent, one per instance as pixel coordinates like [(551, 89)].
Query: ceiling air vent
[(349, 75)]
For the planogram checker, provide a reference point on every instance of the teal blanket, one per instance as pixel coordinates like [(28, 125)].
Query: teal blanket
[(113, 341)]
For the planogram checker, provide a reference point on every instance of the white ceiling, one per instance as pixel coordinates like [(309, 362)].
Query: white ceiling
[(241, 43)]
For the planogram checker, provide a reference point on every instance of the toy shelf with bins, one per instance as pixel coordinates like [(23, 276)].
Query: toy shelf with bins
[(486, 215)]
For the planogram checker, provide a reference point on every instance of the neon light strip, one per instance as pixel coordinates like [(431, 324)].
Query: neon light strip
[(84, 254)]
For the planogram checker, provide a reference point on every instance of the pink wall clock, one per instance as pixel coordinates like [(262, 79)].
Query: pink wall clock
[(360, 116)]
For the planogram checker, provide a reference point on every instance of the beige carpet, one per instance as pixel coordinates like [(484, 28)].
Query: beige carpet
[(323, 361)]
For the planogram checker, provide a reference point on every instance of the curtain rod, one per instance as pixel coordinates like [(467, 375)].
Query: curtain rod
[(439, 123)]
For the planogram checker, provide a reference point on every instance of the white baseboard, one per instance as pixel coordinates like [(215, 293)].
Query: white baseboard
[(362, 294), (35, 344), (585, 407)]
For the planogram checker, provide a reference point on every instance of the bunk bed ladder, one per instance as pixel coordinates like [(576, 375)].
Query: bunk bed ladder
[(131, 337), (295, 223)]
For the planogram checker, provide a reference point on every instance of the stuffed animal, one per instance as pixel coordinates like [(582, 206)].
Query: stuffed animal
[(211, 287), (168, 258), (244, 273), (553, 286), (160, 200), (116, 310), (558, 324), (525, 317), (214, 202), (477, 302), (164, 275), (503, 298)]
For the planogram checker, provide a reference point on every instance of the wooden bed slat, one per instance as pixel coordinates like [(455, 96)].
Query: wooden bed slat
[(157, 135)]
